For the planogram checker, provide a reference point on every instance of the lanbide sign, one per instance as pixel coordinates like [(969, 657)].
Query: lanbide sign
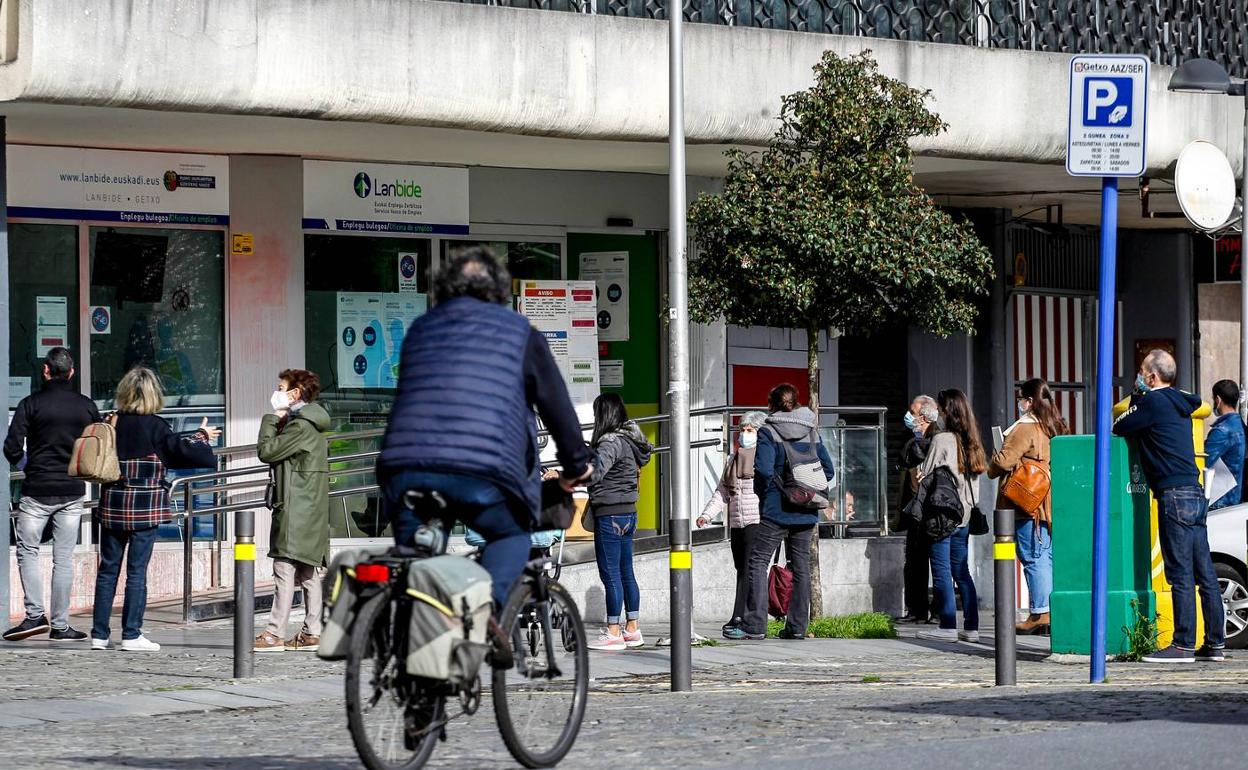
[(1106, 135)]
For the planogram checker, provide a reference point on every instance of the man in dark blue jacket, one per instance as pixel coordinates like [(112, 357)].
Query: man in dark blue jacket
[(1225, 441), (472, 372), (1160, 422)]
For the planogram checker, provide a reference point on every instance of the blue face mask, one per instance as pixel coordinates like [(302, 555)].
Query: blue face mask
[(909, 420), (1140, 385), (748, 440)]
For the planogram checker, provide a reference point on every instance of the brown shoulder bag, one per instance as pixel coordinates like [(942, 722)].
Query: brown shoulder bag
[(1028, 487)]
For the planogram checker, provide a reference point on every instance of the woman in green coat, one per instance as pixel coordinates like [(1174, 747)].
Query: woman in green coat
[(292, 441)]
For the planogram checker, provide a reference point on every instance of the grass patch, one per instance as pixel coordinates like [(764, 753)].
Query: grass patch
[(871, 679), (864, 625), (1141, 637), (708, 643)]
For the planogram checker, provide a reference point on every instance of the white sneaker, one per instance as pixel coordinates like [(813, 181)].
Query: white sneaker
[(633, 639), (101, 644), (968, 636), (608, 643), (141, 644), (939, 634)]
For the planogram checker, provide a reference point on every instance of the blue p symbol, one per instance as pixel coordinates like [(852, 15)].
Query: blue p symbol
[(1107, 102)]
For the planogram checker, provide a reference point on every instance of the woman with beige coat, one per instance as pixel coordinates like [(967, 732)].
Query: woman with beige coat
[(1027, 440)]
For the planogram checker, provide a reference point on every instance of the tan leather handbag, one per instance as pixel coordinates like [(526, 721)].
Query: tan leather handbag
[(1028, 487)]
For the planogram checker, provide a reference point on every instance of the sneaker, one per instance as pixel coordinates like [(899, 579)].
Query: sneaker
[(101, 644), (939, 634), (738, 633), (267, 642), (1213, 654), (790, 635), (66, 635), (968, 636), (608, 643), (303, 642), (1171, 654), (27, 628), (734, 623), (633, 638), (139, 644)]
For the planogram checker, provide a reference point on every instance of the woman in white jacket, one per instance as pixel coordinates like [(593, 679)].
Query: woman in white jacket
[(735, 494)]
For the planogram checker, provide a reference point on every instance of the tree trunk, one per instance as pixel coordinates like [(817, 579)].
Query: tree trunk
[(812, 373)]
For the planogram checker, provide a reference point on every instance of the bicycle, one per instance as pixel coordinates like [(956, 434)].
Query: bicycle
[(395, 719)]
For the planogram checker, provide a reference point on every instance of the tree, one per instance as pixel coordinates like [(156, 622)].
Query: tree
[(826, 228)]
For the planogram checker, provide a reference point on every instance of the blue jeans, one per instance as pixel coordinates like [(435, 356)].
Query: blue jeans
[(1035, 553), (949, 567), (480, 505), (136, 546), (613, 549), (1185, 552)]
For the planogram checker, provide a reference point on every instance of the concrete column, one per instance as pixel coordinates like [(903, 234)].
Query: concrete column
[(265, 296)]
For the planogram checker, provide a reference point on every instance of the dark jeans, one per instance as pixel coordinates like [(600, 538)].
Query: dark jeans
[(916, 573), (480, 505), (742, 540), (136, 546), (796, 541), (950, 568), (1185, 552), (613, 550)]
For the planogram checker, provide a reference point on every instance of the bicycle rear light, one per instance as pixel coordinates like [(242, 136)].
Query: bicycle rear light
[(372, 573)]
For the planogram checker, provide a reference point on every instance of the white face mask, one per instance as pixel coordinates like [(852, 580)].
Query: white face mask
[(279, 400), (748, 439)]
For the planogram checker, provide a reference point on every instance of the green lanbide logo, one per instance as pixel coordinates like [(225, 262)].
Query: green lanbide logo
[(399, 188)]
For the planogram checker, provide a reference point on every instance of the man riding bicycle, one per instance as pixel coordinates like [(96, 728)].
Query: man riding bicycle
[(471, 373)]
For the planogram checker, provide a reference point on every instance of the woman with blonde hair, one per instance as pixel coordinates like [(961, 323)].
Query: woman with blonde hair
[(133, 506), (957, 447)]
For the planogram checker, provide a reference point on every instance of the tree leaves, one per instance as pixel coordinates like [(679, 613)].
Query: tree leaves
[(826, 228)]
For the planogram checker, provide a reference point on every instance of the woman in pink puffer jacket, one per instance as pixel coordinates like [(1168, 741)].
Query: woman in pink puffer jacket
[(735, 493)]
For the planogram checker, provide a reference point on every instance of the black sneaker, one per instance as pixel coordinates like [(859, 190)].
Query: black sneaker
[(1171, 654), (26, 629), (66, 635), (1214, 654), (791, 635)]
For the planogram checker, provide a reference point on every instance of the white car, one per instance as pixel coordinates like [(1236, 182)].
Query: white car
[(1228, 541)]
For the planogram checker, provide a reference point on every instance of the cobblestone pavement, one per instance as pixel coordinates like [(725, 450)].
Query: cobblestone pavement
[(819, 703)]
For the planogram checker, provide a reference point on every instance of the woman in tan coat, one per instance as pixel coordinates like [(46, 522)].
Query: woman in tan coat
[(1028, 440)]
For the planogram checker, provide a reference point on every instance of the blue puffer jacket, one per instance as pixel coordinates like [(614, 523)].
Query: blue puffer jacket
[(461, 405)]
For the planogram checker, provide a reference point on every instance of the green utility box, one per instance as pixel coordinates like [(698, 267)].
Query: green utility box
[(1130, 545)]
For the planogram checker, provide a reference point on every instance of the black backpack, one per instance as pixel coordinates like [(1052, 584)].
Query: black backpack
[(937, 508)]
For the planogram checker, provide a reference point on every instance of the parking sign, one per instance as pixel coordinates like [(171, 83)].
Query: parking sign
[(1106, 135)]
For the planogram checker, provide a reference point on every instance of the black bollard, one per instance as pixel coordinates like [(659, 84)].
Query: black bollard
[(1003, 560), (244, 593)]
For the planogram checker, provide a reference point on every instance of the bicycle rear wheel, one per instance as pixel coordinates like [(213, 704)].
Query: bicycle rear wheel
[(540, 702), (394, 721)]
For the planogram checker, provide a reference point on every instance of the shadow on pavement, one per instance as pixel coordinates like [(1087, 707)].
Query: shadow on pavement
[(1088, 705), (214, 763)]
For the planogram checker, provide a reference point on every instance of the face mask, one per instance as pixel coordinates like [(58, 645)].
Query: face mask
[(748, 440), (1140, 385), (279, 400), (909, 420), (1022, 409)]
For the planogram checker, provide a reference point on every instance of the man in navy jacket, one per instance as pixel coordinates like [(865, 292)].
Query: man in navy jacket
[(1225, 441), (1160, 422), (471, 374)]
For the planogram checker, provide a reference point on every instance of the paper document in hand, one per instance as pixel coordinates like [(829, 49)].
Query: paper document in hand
[(1218, 481), (998, 438)]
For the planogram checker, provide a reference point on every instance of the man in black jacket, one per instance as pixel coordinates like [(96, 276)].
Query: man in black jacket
[(1160, 422), (43, 430), (917, 570)]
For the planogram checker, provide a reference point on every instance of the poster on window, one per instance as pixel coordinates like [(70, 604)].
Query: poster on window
[(563, 311), (371, 327), (609, 272), (51, 324), (408, 282)]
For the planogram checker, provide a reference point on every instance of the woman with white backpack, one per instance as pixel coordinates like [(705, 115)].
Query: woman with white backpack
[(792, 473)]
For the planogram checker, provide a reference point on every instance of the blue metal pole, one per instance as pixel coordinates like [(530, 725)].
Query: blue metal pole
[(1104, 406)]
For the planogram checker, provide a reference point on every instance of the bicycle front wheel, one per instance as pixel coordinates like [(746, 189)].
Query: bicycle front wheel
[(540, 701), (394, 721)]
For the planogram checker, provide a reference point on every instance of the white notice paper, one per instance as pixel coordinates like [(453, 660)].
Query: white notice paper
[(51, 324), (611, 373), (19, 388), (609, 271), (1218, 481)]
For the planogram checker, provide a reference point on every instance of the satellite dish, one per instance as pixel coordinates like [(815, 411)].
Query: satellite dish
[(1205, 184)]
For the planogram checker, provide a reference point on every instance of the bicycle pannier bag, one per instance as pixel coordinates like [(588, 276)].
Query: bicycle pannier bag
[(451, 607), (1028, 487), (94, 457), (804, 483), (342, 601)]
